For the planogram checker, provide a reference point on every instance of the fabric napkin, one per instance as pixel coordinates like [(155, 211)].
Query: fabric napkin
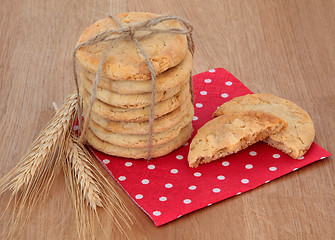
[(166, 188)]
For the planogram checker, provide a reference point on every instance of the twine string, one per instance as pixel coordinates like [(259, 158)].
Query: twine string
[(98, 77), (153, 84), (153, 97), (128, 33)]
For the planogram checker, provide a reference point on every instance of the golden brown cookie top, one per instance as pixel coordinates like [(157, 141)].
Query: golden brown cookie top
[(124, 60)]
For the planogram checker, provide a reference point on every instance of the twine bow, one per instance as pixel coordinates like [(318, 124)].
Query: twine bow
[(128, 33)]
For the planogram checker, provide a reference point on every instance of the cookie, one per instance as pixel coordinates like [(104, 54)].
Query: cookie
[(296, 139), (130, 100), (141, 140), (161, 124), (231, 133), (137, 114), (165, 81), (138, 153), (124, 60)]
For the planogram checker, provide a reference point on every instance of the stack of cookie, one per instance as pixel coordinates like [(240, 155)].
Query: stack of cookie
[(119, 123)]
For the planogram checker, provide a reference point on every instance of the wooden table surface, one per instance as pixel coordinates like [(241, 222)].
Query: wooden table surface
[(284, 47)]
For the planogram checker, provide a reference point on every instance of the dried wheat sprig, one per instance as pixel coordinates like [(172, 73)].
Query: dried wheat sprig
[(56, 147), (88, 189), (31, 179), (43, 148), (79, 203), (83, 172)]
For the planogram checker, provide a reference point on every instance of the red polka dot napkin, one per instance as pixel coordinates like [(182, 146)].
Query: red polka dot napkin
[(166, 188)]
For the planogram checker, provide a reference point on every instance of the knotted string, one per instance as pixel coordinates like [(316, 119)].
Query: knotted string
[(128, 33)]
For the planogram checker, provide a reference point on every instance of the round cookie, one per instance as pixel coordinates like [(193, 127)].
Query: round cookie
[(130, 100), (231, 133), (138, 153), (124, 60), (161, 124), (165, 81), (139, 141), (137, 114), (296, 139)]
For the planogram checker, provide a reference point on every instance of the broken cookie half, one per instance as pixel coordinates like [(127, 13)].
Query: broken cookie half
[(230, 133), (296, 139)]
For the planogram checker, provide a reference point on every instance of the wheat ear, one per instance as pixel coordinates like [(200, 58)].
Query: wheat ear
[(88, 189), (57, 147), (31, 179)]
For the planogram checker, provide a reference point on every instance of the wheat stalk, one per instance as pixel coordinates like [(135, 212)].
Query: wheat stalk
[(43, 148), (83, 173), (88, 189), (31, 179), (57, 147)]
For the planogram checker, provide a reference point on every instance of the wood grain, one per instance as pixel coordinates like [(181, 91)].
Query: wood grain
[(284, 47)]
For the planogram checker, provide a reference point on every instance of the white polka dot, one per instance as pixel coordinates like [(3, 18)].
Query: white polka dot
[(211, 70), (151, 166), (210, 204), (139, 196), (128, 164), (225, 163), (197, 174), (276, 156), (75, 127), (252, 153), (216, 190), (106, 161), (192, 187), (295, 169), (168, 185), (179, 157), (224, 95), (186, 144), (187, 201), (180, 216), (145, 181), (207, 80), (162, 199), (195, 118), (198, 105), (229, 83), (203, 93), (122, 178), (220, 177), (245, 181), (249, 166), (157, 213), (272, 169), (238, 193), (322, 158), (174, 171), (267, 181), (301, 158)]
